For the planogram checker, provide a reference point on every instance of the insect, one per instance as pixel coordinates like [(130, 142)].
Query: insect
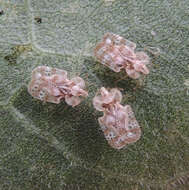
[(118, 123), (118, 53), (38, 20), (52, 85)]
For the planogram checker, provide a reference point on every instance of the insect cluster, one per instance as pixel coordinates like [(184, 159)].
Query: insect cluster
[(52, 85), (118, 53), (118, 123)]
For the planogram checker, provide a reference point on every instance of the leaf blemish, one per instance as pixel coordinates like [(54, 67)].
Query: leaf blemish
[(38, 20), (16, 52)]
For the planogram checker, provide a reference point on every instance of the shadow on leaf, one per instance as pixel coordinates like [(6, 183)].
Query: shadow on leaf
[(76, 128)]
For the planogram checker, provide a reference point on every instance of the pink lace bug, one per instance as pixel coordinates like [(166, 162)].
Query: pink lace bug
[(118, 53), (52, 85), (118, 123)]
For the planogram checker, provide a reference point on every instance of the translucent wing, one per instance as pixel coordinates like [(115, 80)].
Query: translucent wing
[(143, 57), (115, 39), (72, 100), (116, 94), (104, 53), (41, 90), (51, 85), (120, 128), (130, 134), (133, 129), (98, 103), (127, 53), (109, 55), (106, 97), (48, 71), (79, 82), (42, 71), (132, 72), (43, 85), (110, 132)]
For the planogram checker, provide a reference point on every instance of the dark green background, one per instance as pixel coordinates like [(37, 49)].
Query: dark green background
[(47, 146)]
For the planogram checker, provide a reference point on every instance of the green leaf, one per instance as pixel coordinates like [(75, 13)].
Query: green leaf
[(47, 146)]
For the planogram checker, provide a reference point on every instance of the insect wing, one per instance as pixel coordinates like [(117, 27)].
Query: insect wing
[(133, 129), (101, 53), (79, 82), (48, 71), (112, 132), (142, 57), (114, 39), (72, 100), (127, 53), (110, 56), (118, 40), (40, 90), (42, 70), (119, 136)]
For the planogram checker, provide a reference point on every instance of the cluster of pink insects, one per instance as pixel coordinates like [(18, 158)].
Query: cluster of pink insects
[(118, 123)]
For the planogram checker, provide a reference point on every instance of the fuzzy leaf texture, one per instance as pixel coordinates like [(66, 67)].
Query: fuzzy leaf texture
[(49, 146)]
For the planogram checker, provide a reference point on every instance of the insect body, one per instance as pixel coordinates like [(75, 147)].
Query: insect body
[(118, 122), (38, 20), (52, 85), (118, 53)]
